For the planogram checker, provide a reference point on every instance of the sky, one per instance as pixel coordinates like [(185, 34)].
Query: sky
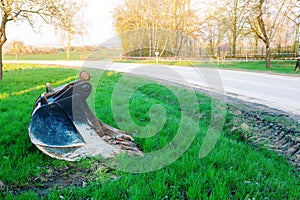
[(98, 13)]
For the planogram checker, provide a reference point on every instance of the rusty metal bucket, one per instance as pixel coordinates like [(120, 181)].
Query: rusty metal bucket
[(63, 126)]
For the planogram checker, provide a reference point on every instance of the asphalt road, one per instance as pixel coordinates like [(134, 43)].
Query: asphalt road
[(276, 91)]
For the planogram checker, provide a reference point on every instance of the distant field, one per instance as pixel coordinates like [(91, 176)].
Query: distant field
[(57, 56), (234, 169), (85, 55)]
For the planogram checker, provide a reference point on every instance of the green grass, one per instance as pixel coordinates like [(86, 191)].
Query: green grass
[(232, 170), (277, 66), (56, 56), (19, 159), (74, 55), (183, 63)]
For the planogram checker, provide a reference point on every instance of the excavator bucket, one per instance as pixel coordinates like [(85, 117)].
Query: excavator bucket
[(63, 126)]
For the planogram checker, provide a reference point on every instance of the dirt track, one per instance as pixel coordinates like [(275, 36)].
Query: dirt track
[(268, 128)]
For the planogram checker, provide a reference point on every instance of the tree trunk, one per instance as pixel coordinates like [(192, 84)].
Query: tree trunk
[(234, 49), (1, 63), (268, 63), (150, 43), (296, 40), (256, 46), (69, 45), (164, 48), (234, 42)]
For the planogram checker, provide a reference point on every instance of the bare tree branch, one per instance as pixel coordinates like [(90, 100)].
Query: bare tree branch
[(25, 10)]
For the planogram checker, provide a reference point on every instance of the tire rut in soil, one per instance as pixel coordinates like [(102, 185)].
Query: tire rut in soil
[(270, 129)]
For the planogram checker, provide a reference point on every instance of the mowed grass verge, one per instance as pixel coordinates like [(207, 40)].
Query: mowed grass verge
[(277, 66), (232, 170)]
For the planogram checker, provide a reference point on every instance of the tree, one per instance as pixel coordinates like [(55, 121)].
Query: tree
[(155, 25), (16, 47), (69, 23), (132, 22), (293, 15), (234, 14), (24, 10), (268, 17), (213, 32)]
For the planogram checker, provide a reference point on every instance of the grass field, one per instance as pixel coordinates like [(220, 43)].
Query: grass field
[(277, 66), (234, 169), (57, 56)]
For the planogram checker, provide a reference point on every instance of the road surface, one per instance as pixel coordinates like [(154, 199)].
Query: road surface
[(276, 91)]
